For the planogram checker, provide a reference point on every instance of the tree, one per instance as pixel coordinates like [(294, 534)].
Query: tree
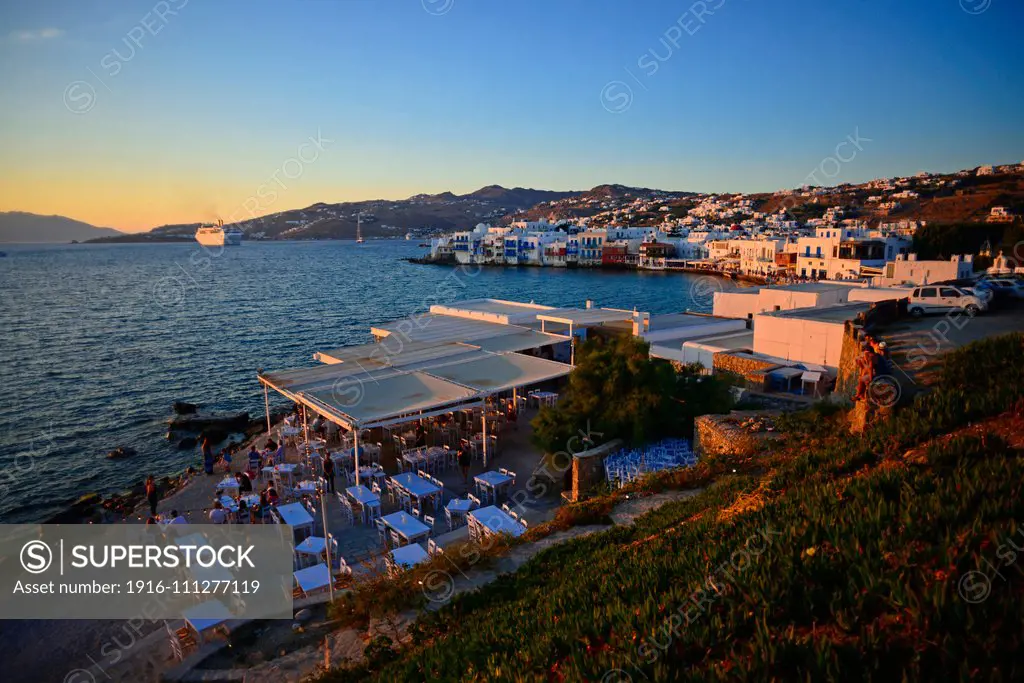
[(619, 392)]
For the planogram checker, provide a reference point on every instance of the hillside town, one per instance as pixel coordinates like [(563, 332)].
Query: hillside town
[(814, 233)]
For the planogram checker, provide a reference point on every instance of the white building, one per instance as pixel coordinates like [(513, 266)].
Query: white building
[(908, 270)]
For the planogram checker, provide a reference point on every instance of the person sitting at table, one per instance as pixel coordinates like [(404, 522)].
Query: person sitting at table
[(177, 518), (329, 473), (243, 511), (272, 497), (255, 459), (244, 483), (218, 515)]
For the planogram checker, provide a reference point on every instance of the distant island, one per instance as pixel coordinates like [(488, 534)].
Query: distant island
[(20, 226)]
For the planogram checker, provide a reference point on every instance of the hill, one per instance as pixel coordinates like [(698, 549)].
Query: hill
[(831, 557), (19, 226)]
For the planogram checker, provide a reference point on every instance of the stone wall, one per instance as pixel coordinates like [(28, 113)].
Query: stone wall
[(724, 435), (588, 470), (753, 370)]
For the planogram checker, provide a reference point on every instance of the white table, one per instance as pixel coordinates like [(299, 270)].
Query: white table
[(228, 483), (366, 498), (418, 487), (494, 520), (312, 546), (460, 505), (206, 615), (285, 470), (313, 579), (251, 500), (306, 488), (296, 516), (544, 397), (362, 495), (495, 481), (229, 503), (408, 556), (407, 526)]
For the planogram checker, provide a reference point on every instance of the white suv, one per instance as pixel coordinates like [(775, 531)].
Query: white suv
[(944, 299)]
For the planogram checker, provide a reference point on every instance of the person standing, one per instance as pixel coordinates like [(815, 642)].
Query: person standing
[(207, 455), (329, 472), (152, 495), (465, 459)]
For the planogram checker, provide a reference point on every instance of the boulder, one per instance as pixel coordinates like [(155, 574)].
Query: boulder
[(303, 615), (187, 442), (121, 452), (183, 408), (196, 423)]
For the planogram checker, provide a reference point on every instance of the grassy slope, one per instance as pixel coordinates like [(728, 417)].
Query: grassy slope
[(843, 561)]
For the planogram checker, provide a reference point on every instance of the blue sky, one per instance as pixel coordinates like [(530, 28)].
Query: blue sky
[(434, 95)]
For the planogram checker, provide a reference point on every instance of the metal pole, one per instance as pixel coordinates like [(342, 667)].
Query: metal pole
[(355, 450), (327, 535), (305, 432), (572, 346), (266, 402), (485, 434)]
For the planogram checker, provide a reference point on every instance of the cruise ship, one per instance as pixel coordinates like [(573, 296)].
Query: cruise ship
[(214, 235)]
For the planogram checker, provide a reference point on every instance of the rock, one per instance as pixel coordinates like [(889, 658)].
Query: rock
[(303, 615), (187, 442), (183, 408), (121, 452), (214, 434), (197, 423)]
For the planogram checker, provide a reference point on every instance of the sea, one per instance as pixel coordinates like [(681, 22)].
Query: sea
[(99, 340)]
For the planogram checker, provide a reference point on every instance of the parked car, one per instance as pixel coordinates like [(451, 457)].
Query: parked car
[(944, 299), (985, 295), (1002, 288)]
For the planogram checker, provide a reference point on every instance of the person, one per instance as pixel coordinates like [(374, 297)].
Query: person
[(867, 365), (243, 512), (465, 459), (150, 520), (218, 515), (329, 473), (152, 495), (421, 435), (272, 497), (207, 455), (244, 483), (177, 518), (255, 459)]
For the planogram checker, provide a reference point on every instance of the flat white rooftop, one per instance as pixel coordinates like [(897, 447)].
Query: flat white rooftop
[(837, 314)]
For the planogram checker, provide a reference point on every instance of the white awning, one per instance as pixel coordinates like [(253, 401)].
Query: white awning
[(813, 377), (355, 396)]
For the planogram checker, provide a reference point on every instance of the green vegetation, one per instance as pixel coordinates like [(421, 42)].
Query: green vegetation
[(621, 393), (850, 558)]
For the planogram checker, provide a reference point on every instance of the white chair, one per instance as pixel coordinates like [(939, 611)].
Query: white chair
[(415, 512), (433, 549), (396, 540), (510, 473), (429, 521), (502, 470), (448, 519), (506, 508), (375, 487), (390, 487), (382, 532), (476, 501), (522, 520)]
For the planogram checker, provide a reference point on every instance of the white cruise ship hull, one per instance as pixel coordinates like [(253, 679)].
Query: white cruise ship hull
[(218, 238)]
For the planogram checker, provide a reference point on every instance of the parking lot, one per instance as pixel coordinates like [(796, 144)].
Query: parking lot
[(914, 343)]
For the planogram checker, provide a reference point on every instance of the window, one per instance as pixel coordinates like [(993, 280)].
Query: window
[(928, 293), (949, 291)]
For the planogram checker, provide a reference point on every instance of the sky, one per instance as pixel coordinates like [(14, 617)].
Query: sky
[(133, 114)]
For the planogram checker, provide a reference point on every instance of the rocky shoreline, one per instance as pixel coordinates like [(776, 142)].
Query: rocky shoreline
[(228, 432)]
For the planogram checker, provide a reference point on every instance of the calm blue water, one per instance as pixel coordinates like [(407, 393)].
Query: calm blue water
[(99, 340)]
